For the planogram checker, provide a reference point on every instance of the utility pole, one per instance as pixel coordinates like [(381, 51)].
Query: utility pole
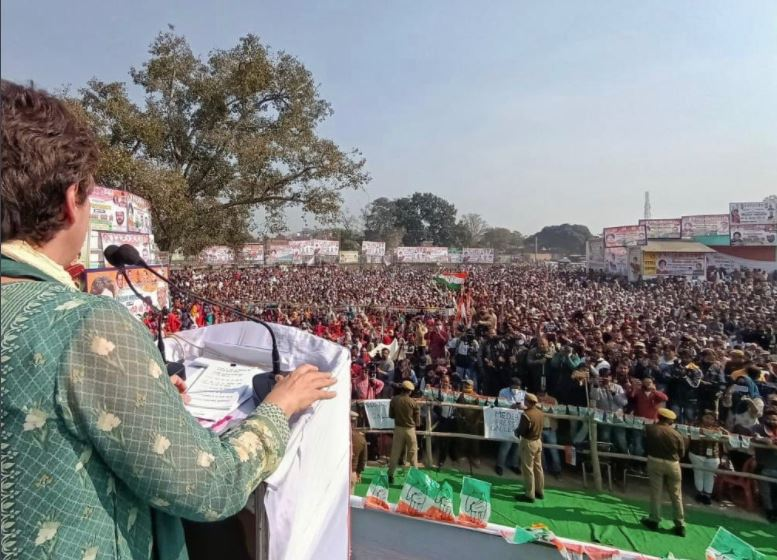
[(536, 255)]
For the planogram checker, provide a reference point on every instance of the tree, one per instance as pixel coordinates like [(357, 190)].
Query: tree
[(502, 239), (422, 217), (216, 139), (565, 238), (473, 226), (380, 219)]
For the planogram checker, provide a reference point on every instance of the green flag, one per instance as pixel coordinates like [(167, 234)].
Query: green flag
[(727, 546)]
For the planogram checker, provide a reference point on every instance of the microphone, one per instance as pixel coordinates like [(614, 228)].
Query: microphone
[(127, 255)]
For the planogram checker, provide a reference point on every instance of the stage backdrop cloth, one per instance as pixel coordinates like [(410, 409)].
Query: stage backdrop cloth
[(307, 499)]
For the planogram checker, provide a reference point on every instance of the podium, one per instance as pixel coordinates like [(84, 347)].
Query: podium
[(302, 509)]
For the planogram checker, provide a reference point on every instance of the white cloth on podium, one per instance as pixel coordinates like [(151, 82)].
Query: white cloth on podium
[(307, 499)]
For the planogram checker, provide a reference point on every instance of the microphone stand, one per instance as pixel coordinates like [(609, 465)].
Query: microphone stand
[(159, 339), (276, 359)]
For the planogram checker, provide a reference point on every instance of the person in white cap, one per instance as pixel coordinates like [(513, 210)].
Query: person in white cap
[(665, 447), (407, 415)]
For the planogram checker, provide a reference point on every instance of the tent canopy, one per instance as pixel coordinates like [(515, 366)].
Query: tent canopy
[(675, 246)]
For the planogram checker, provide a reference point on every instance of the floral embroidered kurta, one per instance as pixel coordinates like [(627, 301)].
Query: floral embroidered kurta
[(94, 435)]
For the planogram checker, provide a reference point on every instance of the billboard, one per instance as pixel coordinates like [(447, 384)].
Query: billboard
[(594, 253), (252, 253), (477, 255), (310, 251), (138, 214), (217, 254), (674, 264), (140, 241), (280, 252), (704, 225), (111, 283), (108, 209), (616, 260), (720, 266), (752, 213), (624, 236), (349, 257), (455, 255), (421, 254), (754, 235), (663, 229), (373, 248)]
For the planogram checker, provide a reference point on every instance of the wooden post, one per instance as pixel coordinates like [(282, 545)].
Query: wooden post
[(595, 466), (428, 459)]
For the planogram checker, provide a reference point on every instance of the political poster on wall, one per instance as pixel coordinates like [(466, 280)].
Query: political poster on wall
[(634, 256), (378, 414), (373, 248), (280, 252), (691, 265), (312, 251), (217, 254), (663, 229), (704, 225), (616, 260), (111, 283), (455, 255), (752, 213), (140, 241), (477, 255), (754, 235), (138, 214), (349, 257), (720, 266), (252, 253), (624, 236), (594, 254), (108, 209), (500, 423), (421, 254)]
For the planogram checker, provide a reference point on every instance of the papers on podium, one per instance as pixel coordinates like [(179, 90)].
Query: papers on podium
[(217, 388)]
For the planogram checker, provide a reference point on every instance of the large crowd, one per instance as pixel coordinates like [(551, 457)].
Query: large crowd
[(706, 350)]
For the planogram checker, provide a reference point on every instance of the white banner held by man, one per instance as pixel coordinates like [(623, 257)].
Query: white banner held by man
[(500, 423), (378, 414)]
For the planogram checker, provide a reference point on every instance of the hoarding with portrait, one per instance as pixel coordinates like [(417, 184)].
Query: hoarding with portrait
[(754, 235), (624, 236), (691, 265), (752, 213), (217, 254), (111, 283), (704, 225), (280, 252), (478, 255), (252, 253), (616, 261), (662, 229), (421, 254)]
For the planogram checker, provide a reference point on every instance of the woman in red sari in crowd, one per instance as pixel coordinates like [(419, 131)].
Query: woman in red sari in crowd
[(173, 321)]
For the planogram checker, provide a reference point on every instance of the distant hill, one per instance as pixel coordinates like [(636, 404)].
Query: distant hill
[(565, 238)]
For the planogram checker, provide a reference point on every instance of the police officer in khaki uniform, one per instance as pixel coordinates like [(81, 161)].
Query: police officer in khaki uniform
[(358, 452), (530, 450), (665, 447), (407, 415)]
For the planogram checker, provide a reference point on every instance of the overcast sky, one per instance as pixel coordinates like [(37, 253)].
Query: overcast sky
[(528, 113)]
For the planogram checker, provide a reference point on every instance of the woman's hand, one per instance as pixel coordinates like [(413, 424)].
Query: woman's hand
[(180, 385), (300, 389)]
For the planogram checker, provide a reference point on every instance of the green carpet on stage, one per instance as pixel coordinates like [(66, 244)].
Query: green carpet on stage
[(602, 518)]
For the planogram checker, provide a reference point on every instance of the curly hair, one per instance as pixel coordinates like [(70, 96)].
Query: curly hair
[(45, 150)]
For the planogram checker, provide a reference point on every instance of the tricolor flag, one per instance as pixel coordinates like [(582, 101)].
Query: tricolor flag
[(451, 280), (727, 546)]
